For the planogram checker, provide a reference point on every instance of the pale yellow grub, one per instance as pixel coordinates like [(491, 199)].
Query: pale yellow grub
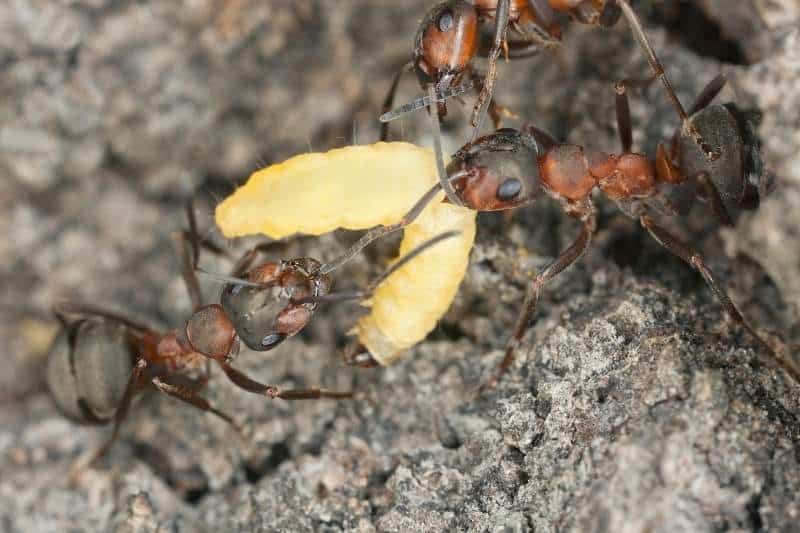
[(355, 187), (359, 187), (407, 306)]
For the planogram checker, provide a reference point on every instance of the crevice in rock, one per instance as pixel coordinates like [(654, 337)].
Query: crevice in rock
[(690, 25), (190, 484), (255, 469)]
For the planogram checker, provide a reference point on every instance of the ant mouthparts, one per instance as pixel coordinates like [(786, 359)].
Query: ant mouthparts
[(425, 101)]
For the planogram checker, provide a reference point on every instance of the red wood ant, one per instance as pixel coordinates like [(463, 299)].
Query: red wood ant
[(511, 168), (99, 361), (449, 39)]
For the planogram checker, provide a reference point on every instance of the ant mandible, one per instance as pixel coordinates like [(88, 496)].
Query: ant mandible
[(449, 38), (510, 168)]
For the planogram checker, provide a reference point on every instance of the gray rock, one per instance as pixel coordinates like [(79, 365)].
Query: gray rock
[(634, 405)]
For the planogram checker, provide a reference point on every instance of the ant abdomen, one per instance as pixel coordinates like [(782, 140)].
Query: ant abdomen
[(279, 306), (88, 369), (718, 128)]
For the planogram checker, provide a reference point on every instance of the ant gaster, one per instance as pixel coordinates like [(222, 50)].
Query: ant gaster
[(510, 168)]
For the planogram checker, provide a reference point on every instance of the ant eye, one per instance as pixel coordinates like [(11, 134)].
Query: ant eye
[(509, 189), (272, 340), (445, 21)]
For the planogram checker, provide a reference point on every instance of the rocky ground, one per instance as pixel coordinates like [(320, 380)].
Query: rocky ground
[(635, 405)]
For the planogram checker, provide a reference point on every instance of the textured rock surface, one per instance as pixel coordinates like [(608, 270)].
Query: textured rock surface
[(637, 405)]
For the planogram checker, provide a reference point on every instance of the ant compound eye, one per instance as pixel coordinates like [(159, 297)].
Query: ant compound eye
[(445, 22), (272, 340), (509, 189)]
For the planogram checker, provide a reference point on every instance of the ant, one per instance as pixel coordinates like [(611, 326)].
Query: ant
[(449, 38), (101, 360), (510, 168)]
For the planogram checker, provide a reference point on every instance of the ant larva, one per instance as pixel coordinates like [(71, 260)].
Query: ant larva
[(361, 187)]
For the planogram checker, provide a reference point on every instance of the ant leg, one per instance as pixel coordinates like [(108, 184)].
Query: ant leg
[(708, 93), (380, 231), (122, 411), (185, 250), (523, 49), (623, 116), (712, 194), (696, 261), (189, 396), (397, 265), (271, 391), (191, 216), (481, 105), (389, 100), (74, 308), (243, 264), (655, 63), (623, 109), (524, 321), (545, 16)]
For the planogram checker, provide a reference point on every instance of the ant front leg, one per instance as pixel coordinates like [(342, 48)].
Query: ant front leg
[(501, 28), (712, 194), (709, 92), (272, 391), (696, 261), (380, 231), (525, 319)]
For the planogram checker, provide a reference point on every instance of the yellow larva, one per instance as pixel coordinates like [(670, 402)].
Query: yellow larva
[(359, 187)]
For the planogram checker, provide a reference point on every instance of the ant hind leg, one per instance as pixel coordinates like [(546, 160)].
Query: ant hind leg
[(561, 263), (696, 261)]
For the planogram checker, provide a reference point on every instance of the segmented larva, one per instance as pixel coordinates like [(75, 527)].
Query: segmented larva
[(358, 187)]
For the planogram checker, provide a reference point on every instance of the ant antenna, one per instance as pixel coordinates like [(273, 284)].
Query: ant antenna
[(379, 231), (427, 100), (222, 278), (437, 149), (363, 294)]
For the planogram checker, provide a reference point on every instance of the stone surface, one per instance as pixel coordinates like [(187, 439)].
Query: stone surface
[(635, 404)]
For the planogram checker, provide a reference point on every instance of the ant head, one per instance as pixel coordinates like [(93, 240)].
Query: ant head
[(88, 368), (276, 303), (445, 44), (720, 131), (603, 13), (211, 333), (498, 171)]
